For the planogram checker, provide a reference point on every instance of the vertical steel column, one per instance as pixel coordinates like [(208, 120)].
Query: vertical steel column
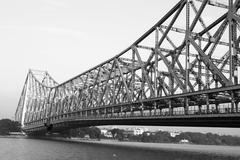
[(52, 102), (156, 62), (207, 102), (236, 104), (133, 75), (216, 103), (199, 80), (232, 101), (171, 85), (217, 106), (187, 54), (49, 104), (142, 86), (232, 41), (156, 69), (25, 101), (114, 84), (232, 51), (207, 73)]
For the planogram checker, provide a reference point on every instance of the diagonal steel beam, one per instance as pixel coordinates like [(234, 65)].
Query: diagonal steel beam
[(181, 85), (124, 81), (215, 71), (179, 64), (217, 36), (216, 22), (200, 18), (171, 24), (221, 67), (198, 14), (194, 34), (92, 89), (219, 30), (143, 70), (109, 76)]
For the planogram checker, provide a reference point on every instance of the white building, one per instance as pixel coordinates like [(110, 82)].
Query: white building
[(184, 141), (106, 133), (174, 134), (137, 131)]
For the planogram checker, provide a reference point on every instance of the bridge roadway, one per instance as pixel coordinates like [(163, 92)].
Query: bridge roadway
[(222, 117), (70, 121)]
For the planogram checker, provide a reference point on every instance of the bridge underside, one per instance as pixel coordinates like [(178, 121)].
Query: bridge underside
[(216, 120)]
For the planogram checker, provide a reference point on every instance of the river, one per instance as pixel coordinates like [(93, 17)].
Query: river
[(36, 149)]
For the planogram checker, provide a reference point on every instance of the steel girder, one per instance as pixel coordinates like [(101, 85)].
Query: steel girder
[(169, 67)]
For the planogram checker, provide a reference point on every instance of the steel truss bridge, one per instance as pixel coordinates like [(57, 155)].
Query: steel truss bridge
[(182, 72)]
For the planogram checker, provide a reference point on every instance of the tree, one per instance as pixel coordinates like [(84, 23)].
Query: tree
[(117, 133), (120, 134), (7, 125), (93, 132), (114, 132)]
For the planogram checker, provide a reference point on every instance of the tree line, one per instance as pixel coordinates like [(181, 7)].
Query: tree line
[(192, 137), (159, 136), (7, 125)]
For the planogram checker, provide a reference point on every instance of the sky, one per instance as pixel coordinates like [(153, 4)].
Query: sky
[(66, 38)]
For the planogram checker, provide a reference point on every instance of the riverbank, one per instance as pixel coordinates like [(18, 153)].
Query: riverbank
[(231, 151), (12, 136)]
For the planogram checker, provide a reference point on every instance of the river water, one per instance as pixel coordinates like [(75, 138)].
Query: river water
[(35, 149)]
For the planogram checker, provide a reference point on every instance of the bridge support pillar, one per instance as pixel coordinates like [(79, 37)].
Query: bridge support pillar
[(105, 112), (120, 112), (155, 108), (186, 106), (112, 112), (236, 104), (142, 110), (217, 105), (131, 111), (199, 108), (207, 103), (170, 107), (233, 102)]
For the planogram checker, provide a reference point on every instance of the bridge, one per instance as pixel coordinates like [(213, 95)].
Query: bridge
[(184, 71)]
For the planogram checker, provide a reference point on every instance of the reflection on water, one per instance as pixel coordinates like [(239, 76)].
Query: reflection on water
[(33, 149)]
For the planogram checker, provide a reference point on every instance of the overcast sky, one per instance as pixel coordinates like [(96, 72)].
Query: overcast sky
[(66, 37)]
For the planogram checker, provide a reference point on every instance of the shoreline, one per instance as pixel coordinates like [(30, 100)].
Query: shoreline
[(12, 136), (232, 151)]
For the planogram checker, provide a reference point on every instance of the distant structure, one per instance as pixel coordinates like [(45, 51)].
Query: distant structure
[(174, 134), (106, 133), (184, 141)]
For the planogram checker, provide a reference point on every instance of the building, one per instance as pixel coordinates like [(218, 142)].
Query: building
[(184, 141), (174, 134), (136, 131), (106, 133)]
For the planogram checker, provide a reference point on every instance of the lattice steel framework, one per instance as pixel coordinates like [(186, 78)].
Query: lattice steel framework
[(182, 65)]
